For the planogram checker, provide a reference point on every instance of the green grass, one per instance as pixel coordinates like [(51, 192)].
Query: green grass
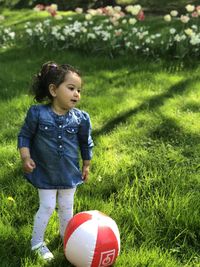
[(145, 171)]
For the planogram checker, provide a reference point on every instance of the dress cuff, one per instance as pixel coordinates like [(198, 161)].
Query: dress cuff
[(23, 142), (86, 154)]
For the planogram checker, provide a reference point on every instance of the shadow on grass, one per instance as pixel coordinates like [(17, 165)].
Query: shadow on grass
[(20, 63), (151, 104)]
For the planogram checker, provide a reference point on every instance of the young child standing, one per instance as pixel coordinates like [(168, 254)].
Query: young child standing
[(49, 143)]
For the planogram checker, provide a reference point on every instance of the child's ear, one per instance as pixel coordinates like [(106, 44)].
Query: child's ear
[(52, 89)]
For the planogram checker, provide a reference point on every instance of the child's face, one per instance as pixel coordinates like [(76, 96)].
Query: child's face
[(68, 93)]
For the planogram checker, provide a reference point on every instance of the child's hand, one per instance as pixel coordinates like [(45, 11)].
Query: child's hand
[(28, 165), (85, 172)]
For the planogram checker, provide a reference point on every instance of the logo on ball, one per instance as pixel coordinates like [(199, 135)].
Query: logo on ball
[(107, 258)]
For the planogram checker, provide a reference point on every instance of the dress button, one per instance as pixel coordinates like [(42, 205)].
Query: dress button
[(60, 146), (59, 136), (60, 126), (45, 127)]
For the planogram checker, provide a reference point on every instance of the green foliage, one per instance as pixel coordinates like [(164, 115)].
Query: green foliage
[(149, 5), (62, 4)]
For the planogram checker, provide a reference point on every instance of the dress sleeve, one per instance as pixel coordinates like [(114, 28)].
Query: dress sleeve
[(85, 139), (29, 128)]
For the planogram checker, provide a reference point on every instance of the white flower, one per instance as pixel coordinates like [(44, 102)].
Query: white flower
[(190, 8), (128, 44), (195, 39), (177, 38), (189, 31), (167, 18), (124, 21), (114, 21), (46, 22), (105, 35), (54, 7), (28, 24), (83, 29), (12, 35), (158, 35), (91, 36), (194, 27), (132, 21), (88, 16), (129, 8), (184, 18), (110, 27), (134, 30), (99, 11), (92, 12), (79, 10), (148, 40), (134, 10), (140, 35), (183, 37), (109, 10), (29, 31), (172, 31), (174, 13), (117, 8), (72, 34), (62, 37)]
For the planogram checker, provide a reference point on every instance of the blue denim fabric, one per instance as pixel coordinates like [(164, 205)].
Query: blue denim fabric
[(54, 142)]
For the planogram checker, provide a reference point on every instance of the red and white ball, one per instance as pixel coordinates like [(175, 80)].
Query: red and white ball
[(91, 240)]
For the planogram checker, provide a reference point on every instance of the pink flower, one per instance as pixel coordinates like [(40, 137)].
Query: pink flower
[(198, 10), (140, 15), (195, 14), (39, 7), (184, 18)]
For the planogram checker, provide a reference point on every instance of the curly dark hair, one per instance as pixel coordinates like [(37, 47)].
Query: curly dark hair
[(50, 73)]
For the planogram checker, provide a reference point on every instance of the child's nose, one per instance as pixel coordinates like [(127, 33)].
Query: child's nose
[(76, 93)]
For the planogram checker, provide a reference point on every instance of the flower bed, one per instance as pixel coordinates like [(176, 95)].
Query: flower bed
[(116, 31)]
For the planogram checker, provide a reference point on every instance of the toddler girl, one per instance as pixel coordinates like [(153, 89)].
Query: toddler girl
[(49, 143)]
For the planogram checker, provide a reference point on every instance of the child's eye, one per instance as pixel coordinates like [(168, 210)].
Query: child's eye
[(79, 90), (71, 88)]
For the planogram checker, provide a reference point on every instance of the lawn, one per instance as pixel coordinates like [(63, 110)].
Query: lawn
[(145, 171)]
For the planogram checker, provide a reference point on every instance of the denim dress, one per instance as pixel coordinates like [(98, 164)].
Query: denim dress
[(55, 143)]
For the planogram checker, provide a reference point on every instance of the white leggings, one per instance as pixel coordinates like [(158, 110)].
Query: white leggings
[(48, 198)]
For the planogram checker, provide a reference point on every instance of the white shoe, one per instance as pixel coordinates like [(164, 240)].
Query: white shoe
[(43, 251)]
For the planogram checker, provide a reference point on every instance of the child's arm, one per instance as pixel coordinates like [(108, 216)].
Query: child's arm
[(28, 163), (86, 144), (85, 169), (25, 136)]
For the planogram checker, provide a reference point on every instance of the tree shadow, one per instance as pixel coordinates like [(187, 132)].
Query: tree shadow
[(19, 62), (150, 105)]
